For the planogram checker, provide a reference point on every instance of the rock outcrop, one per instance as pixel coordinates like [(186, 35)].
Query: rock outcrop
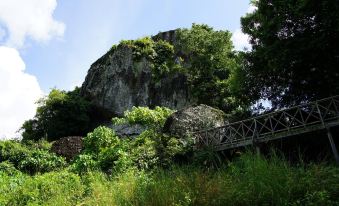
[(68, 147), (116, 82), (127, 130), (193, 119)]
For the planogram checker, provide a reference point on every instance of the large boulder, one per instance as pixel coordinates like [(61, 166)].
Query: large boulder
[(192, 119), (117, 81), (68, 147)]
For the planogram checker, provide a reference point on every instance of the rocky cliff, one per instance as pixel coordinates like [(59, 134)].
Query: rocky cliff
[(117, 81)]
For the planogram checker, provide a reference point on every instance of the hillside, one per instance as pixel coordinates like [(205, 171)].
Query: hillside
[(182, 118)]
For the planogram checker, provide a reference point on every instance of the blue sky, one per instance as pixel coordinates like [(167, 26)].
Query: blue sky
[(52, 43), (93, 26)]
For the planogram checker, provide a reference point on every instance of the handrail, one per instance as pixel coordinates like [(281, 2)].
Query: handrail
[(265, 127)]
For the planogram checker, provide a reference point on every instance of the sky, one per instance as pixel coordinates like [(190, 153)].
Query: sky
[(48, 44)]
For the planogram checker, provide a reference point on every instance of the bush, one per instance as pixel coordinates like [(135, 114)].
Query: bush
[(56, 188), (151, 149), (13, 151), (143, 150), (102, 150), (40, 144), (29, 158), (101, 138), (159, 53), (8, 168), (115, 158), (143, 115), (84, 163), (40, 161)]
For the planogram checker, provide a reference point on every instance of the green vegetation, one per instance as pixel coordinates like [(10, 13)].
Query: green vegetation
[(156, 169), (143, 115), (31, 159), (159, 53), (294, 55), (249, 180), (151, 149), (205, 56), (211, 63), (59, 114)]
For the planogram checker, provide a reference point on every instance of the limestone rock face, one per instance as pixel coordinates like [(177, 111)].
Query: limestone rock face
[(128, 130), (68, 147), (193, 119), (116, 82)]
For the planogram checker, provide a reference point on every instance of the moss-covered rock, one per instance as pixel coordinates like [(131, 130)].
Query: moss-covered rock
[(191, 119), (137, 73)]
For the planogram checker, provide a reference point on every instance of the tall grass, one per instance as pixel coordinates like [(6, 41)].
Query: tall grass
[(249, 180)]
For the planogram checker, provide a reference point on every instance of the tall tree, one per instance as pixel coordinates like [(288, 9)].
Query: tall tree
[(211, 63), (58, 115), (295, 55)]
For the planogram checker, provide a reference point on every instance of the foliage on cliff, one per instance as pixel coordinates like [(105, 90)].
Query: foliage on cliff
[(205, 56)]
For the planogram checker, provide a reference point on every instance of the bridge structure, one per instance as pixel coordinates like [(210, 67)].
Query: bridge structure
[(318, 115)]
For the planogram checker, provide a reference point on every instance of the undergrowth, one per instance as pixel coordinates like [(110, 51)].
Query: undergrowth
[(249, 180), (145, 171)]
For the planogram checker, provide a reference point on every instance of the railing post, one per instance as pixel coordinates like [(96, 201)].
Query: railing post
[(255, 136), (335, 105), (321, 117), (206, 138), (194, 137), (333, 147)]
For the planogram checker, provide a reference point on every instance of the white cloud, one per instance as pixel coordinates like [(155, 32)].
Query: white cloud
[(18, 91), (251, 9), (240, 40), (29, 18)]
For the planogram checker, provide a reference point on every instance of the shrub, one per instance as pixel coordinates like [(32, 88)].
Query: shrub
[(101, 138), (84, 163), (13, 151), (56, 188), (160, 54), (41, 161), (116, 158), (8, 168), (143, 115), (143, 150), (151, 149), (40, 144)]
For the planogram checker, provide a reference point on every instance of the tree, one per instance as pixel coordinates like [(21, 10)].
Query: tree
[(295, 55), (211, 64), (58, 115)]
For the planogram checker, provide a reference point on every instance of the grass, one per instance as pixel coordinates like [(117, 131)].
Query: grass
[(249, 180)]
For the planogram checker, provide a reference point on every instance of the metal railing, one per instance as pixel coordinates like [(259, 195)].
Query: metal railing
[(295, 120)]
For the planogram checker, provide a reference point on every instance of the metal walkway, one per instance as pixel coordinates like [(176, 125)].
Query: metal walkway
[(318, 115)]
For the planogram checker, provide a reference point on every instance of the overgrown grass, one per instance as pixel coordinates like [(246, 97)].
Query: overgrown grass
[(249, 180)]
